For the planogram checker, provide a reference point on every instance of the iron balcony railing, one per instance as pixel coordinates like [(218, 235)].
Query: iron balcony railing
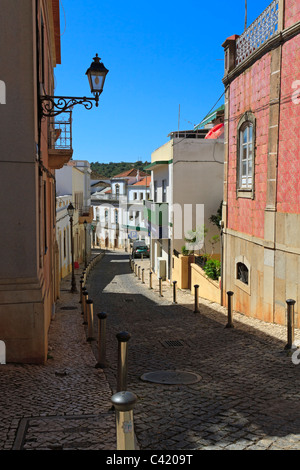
[(108, 196), (60, 132), (260, 31)]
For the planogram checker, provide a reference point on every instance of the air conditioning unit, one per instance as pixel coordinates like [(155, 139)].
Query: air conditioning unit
[(161, 268)]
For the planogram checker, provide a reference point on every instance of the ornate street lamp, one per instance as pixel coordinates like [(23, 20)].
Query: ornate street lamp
[(70, 210), (53, 105), (96, 75)]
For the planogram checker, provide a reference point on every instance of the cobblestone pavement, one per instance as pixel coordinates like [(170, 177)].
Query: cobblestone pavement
[(65, 404), (245, 393)]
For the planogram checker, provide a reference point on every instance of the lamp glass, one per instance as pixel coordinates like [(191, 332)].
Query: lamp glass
[(70, 210), (96, 76)]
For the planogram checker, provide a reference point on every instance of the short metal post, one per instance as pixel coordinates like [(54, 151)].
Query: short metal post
[(123, 339), (85, 299), (143, 282), (174, 292), (102, 362), (197, 310), (123, 403), (290, 323), (229, 308), (81, 287), (150, 280), (160, 287), (135, 268), (90, 318), (139, 273)]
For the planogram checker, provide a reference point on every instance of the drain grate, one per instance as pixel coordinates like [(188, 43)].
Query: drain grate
[(171, 377), (173, 343), (67, 308), (128, 300)]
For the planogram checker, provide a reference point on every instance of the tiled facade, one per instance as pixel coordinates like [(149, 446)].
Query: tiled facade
[(260, 227)]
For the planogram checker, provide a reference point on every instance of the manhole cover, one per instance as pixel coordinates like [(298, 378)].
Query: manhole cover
[(171, 377), (173, 343)]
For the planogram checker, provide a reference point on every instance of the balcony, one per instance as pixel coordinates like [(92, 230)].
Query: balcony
[(86, 214), (109, 197), (156, 216), (60, 141), (259, 32)]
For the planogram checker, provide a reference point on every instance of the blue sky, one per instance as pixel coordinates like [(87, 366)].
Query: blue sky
[(160, 55)]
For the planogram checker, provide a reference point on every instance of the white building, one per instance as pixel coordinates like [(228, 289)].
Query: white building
[(119, 210), (73, 185), (187, 189)]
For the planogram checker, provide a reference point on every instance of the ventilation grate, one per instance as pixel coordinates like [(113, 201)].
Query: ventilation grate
[(175, 343)]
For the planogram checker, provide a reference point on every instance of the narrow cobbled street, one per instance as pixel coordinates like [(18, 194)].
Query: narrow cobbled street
[(244, 390)]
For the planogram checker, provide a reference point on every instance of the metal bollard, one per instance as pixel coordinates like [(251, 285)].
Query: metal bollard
[(290, 323), (102, 362), (85, 299), (81, 287), (230, 322), (174, 292), (139, 273), (197, 310), (90, 318), (123, 403), (160, 287), (135, 268), (123, 339), (143, 282), (150, 280)]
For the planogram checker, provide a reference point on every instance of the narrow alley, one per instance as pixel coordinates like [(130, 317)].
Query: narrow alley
[(243, 395)]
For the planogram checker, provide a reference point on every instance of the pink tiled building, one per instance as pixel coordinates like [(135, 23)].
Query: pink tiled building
[(261, 206)]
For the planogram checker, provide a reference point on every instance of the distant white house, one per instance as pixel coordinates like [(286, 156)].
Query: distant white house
[(73, 185), (186, 188), (119, 210)]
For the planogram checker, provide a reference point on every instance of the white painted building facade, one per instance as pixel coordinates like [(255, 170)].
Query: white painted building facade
[(73, 185), (187, 188), (119, 211)]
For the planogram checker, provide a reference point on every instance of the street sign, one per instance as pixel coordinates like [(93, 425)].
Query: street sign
[(133, 235)]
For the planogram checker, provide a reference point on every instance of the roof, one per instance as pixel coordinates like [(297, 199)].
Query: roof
[(143, 182), (56, 22), (210, 117), (130, 173), (158, 162)]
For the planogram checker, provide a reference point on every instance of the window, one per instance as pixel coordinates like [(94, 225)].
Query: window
[(242, 273), (155, 191), (134, 196), (164, 191), (117, 190), (245, 155)]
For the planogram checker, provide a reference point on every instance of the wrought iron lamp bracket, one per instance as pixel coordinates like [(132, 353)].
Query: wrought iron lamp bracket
[(54, 105)]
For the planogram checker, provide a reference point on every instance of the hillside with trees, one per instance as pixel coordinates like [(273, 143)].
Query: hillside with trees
[(114, 168)]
